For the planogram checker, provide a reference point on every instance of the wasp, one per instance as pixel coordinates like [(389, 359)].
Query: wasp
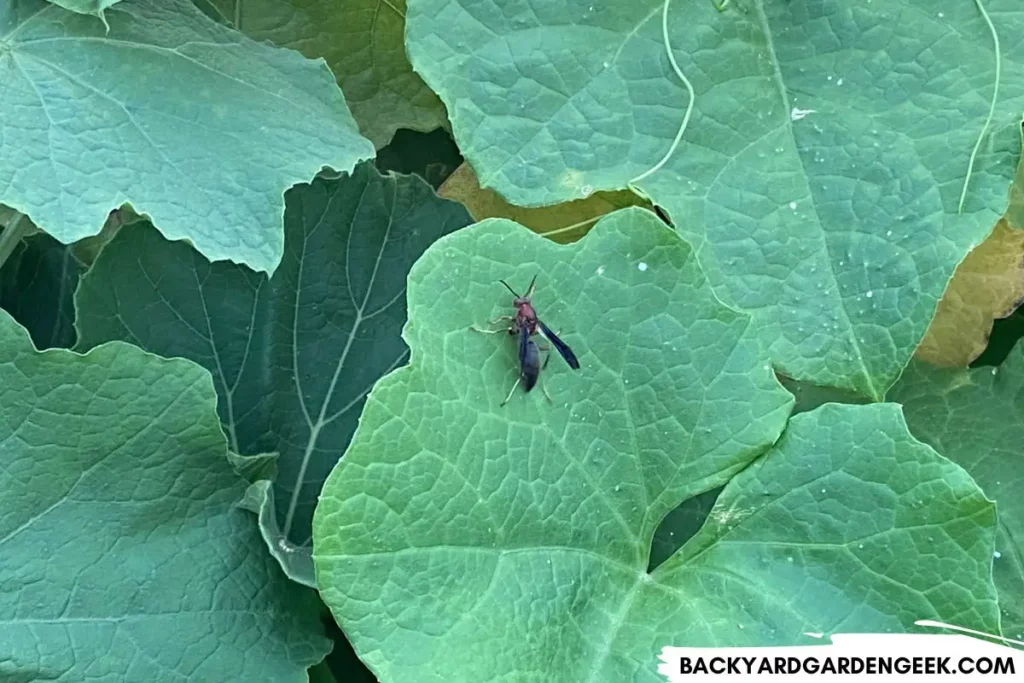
[(524, 325)]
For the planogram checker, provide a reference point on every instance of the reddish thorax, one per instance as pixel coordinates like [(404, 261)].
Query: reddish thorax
[(525, 315)]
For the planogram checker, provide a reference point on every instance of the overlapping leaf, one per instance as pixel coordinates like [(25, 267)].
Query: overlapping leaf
[(197, 126), (123, 555), (293, 356), (363, 42), (440, 479), (819, 177), (976, 419)]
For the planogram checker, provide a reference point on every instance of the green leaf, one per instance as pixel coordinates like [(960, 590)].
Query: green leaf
[(819, 176), (187, 120), (37, 286), (254, 468), (88, 249), (672, 399), (1015, 210), (292, 357), (458, 539), (122, 552), (295, 559), (976, 419), (363, 43)]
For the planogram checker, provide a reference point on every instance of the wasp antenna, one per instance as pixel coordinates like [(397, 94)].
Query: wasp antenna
[(533, 282), (509, 288)]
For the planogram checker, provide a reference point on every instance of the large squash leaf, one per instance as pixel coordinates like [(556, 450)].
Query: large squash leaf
[(123, 555), (195, 125), (819, 177), (292, 357), (458, 540), (976, 419), (363, 41)]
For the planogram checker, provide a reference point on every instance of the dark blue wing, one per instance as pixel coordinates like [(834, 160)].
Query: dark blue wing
[(563, 348)]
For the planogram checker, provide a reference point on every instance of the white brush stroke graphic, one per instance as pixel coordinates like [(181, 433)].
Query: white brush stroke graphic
[(854, 657)]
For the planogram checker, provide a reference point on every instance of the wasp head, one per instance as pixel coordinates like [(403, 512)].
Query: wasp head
[(521, 300)]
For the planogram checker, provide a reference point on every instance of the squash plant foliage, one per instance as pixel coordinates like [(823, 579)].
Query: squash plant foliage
[(247, 431)]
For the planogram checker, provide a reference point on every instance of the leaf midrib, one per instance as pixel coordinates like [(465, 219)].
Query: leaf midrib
[(322, 419), (786, 108)]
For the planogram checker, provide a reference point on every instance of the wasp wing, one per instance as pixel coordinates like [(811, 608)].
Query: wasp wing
[(563, 348)]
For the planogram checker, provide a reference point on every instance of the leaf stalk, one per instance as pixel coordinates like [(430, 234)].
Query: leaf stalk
[(14, 232)]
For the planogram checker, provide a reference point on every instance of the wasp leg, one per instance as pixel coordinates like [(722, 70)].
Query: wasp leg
[(492, 322), (509, 397)]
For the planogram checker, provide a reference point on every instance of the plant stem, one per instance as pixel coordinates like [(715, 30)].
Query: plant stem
[(12, 235)]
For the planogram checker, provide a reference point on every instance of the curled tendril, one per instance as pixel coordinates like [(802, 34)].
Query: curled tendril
[(991, 106), (689, 106)]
